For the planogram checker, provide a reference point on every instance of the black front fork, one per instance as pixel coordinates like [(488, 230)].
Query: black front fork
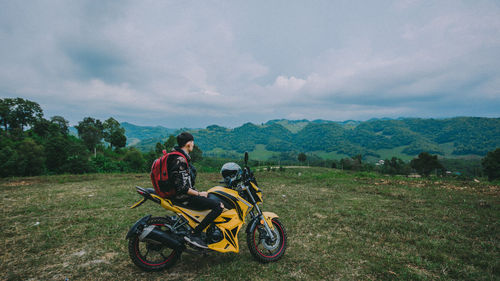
[(258, 218)]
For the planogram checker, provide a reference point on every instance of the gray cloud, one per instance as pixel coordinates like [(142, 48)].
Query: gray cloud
[(193, 64)]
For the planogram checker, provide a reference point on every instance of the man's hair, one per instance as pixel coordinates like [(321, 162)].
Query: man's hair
[(184, 138)]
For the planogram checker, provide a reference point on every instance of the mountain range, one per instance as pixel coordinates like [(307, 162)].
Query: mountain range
[(373, 139)]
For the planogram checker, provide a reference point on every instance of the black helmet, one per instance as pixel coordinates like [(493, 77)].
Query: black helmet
[(231, 172)]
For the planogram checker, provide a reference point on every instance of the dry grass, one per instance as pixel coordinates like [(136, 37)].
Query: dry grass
[(341, 227)]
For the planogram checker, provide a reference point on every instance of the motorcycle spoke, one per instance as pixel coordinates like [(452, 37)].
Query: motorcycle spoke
[(146, 254)]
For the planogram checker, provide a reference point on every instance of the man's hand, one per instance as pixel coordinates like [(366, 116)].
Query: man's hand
[(203, 194)]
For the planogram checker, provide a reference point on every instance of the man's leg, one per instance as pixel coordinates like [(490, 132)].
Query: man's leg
[(203, 203), (207, 204)]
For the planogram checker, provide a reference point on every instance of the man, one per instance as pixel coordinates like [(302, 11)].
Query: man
[(182, 177)]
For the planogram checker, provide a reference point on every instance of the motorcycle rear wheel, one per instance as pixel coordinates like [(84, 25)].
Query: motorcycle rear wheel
[(262, 248), (149, 256)]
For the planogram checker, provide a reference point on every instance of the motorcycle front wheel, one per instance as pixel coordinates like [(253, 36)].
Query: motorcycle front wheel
[(262, 247), (149, 256)]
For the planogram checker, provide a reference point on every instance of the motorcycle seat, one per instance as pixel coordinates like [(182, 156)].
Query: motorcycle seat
[(151, 191), (227, 204)]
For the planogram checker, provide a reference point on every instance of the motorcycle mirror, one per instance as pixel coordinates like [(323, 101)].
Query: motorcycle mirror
[(246, 158)]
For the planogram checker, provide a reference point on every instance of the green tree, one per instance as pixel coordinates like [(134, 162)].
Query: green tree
[(5, 105), (196, 154), (61, 123), (9, 162), (426, 163), (56, 152), (491, 164), (45, 128), (302, 157), (159, 148), (113, 133), (90, 130), (358, 158), (395, 166), (357, 162), (42, 127), (118, 139), (150, 157), (31, 158), (77, 161), (134, 160), (170, 143), (22, 113)]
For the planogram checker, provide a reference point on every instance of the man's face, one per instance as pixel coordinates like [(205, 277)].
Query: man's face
[(190, 146)]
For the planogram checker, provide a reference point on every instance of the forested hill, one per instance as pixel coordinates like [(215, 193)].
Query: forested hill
[(448, 137)]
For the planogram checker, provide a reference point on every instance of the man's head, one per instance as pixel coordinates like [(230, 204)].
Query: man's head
[(185, 141)]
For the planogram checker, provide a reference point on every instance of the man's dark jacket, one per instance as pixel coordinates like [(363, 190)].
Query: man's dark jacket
[(181, 175)]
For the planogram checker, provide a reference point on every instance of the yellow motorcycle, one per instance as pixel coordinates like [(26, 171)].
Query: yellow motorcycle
[(156, 243)]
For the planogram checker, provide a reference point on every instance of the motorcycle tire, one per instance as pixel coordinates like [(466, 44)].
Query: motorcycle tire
[(149, 256), (261, 248)]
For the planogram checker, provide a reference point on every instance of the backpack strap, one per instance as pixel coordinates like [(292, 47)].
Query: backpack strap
[(180, 154)]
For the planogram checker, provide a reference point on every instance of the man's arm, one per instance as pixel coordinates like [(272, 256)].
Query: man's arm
[(180, 176)]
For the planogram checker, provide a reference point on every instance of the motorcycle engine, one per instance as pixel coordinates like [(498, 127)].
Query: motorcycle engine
[(214, 234)]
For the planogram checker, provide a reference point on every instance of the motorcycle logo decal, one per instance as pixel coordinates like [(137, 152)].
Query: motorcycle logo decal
[(234, 201), (225, 220), (230, 237)]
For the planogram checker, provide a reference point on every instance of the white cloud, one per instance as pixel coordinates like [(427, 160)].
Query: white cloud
[(212, 60), (289, 84)]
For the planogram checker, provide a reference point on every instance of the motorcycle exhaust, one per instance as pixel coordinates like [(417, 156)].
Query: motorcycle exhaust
[(153, 235)]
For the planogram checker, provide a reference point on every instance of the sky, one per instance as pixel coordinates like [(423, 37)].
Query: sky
[(197, 63)]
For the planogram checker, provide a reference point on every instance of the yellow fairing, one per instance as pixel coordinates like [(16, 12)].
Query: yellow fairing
[(257, 191), (193, 217), (229, 222), (138, 203), (242, 206)]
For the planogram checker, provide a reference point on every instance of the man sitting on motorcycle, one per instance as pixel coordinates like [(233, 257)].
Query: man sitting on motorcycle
[(182, 176)]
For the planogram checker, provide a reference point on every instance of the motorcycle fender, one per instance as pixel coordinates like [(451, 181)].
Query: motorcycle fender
[(134, 229), (269, 216)]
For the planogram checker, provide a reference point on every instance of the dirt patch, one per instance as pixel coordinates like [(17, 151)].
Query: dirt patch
[(319, 216), (80, 253), (421, 271), (20, 183), (87, 264), (109, 256)]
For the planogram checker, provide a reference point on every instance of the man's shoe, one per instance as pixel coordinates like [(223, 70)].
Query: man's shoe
[(196, 241)]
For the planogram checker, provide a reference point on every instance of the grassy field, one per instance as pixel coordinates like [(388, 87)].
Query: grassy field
[(341, 226)]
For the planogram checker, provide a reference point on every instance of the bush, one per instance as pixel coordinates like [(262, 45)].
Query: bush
[(134, 161), (426, 163), (77, 165), (8, 162), (103, 164), (31, 160), (491, 164)]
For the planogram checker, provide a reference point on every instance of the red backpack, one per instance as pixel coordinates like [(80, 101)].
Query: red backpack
[(159, 175)]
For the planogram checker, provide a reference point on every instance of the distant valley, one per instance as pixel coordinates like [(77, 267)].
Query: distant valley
[(465, 137)]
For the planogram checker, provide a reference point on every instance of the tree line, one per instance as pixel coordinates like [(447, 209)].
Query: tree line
[(32, 145), (424, 164)]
